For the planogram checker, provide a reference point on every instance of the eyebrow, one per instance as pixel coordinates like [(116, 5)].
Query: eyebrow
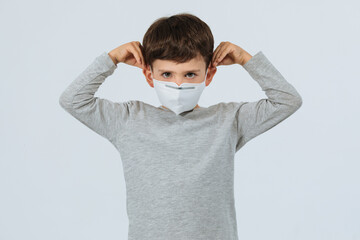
[(195, 70)]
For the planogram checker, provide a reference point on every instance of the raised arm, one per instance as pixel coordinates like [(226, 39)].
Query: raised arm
[(101, 115), (254, 118)]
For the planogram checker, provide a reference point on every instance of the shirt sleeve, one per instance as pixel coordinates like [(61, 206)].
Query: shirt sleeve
[(101, 115), (255, 118)]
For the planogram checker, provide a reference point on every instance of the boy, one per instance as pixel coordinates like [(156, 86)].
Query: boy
[(178, 158)]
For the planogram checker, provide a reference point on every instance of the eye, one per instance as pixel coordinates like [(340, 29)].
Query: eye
[(193, 74), (164, 73), (167, 74)]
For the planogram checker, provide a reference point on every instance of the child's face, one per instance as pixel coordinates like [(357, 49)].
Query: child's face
[(192, 71)]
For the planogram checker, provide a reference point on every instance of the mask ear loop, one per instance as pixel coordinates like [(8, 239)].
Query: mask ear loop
[(205, 75), (152, 77)]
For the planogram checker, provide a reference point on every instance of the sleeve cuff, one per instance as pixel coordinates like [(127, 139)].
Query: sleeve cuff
[(254, 62), (106, 60)]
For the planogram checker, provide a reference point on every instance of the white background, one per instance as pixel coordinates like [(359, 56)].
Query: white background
[(299, 180)]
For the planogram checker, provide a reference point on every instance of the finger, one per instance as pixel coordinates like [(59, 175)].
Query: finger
[(138, 45), (136, 63), (220, 54), (215, 52), (219, 50), (136, 53)]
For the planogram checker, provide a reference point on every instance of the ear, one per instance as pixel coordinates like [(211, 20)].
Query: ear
[(210, 74), (147, 74)]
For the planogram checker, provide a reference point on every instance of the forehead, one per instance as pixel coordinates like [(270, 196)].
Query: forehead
[(170, 65)]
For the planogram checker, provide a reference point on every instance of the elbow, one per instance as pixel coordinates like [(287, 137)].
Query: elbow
[(296, 103), (64, 101)]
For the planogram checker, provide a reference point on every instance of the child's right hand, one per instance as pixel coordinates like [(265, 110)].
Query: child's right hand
[(129, 53)]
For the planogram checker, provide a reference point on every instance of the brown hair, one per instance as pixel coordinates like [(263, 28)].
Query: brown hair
[(180, 38)]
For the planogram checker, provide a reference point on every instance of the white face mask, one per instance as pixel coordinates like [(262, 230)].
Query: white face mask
[(178, 98)]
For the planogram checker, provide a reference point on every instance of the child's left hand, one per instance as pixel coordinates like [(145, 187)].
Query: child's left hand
[(228, 53)]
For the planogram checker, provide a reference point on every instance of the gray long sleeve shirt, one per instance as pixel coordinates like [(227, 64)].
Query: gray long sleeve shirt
[(179, 169)]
